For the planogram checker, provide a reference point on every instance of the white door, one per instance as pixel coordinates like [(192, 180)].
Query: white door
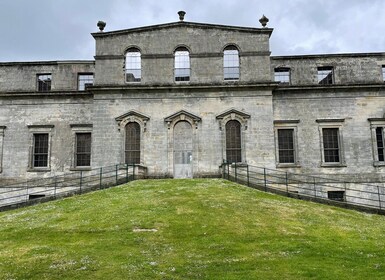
[(183, 146)]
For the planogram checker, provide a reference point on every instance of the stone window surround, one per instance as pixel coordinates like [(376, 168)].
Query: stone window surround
[(332, 123), (375, 123), (287, 124), (39, 129), (242, 118), (122, 121), (79, 128), (2, 130)]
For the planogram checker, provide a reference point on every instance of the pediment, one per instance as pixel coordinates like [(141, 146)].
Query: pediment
[(132, 114), (183, 24), (182, 115), (233, 112)]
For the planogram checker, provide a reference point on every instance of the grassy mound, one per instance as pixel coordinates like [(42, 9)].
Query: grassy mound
[(189, 229)]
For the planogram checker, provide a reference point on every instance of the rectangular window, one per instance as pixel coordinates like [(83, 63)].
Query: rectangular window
[(44, 82), (85, 80), (325, 75), (286, 146), (83, 149), (40, 150), (383, 73), (380, 143), (282, 75), (336, 195), (331, 145)]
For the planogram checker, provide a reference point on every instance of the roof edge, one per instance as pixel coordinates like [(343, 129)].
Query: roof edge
[(183, 23)]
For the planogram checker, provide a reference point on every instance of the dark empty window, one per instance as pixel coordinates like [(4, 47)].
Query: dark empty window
[(182, 65), (83, 149), (44, 82), (40, 150), (286, 145), (85, 80), (336, 195), (331, 145), (282, 75), (231, 63), (383, 73), (132, 146), (325, 75), (233, 141), (380, 143), (133, 66)]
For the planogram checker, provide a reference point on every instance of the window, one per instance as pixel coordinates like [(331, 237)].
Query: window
[(332, 152), (231, 63), (331, 145), (286, 145), (44, 82), (2, 129), (85, 80), (285, 134), (380, 143), (182, 65), (383, 73), (133, 66), (282, 75), (83, 149), (40, 150), (325, 75), (132, 145), (336, 195), (233, 141), (377, 126)]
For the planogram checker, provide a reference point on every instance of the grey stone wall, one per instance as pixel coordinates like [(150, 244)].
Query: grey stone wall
[(22, 76), (348, 68)]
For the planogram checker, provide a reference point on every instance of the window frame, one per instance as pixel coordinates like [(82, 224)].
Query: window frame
[(40, 82), (133, 67), (323, 73), (2, 132), (181, 57), (39, 130), (80, 129), (289, 125), (333, 124), (376, 123), (238, 148), (81, 86), (228, 58), (383, 73), (137, 142), (282, 70)]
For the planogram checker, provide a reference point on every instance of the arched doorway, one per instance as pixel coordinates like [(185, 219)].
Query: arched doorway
[(183, 147)]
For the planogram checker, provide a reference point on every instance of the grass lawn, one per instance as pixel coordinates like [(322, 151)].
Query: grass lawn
[(189, 229)]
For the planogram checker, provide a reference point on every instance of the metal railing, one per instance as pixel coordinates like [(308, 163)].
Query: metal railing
[(76, 182), (360, 196)]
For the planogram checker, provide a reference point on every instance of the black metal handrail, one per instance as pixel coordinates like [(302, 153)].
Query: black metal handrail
[(363, 196), (75, 182)]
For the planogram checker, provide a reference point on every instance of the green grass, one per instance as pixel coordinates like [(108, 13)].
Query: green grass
[(189, 229)]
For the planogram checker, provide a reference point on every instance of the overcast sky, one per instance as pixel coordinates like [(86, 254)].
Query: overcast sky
[(60, 29)]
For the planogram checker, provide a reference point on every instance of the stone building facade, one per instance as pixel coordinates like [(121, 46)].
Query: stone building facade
[(182, 98)]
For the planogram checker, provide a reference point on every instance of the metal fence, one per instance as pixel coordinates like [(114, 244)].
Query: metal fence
[(360, 196), (76, 182)]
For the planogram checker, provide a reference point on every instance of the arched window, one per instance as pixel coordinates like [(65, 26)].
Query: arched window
[(233, 141), (132, 145), (231, 63), (182, 65), (133, 65)]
